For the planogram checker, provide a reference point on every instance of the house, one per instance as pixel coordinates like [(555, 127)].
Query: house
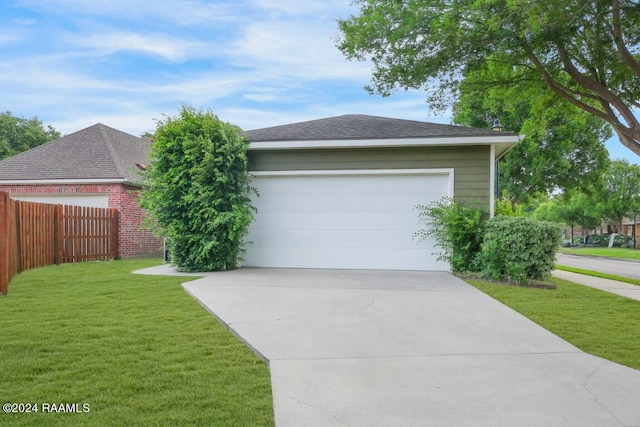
[(94, 167), (341, 192), (631, 228)]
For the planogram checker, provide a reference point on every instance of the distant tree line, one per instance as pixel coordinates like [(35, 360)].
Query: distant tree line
[(18, 134)]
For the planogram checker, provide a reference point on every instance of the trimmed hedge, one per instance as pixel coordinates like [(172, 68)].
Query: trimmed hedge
[(519, 248)]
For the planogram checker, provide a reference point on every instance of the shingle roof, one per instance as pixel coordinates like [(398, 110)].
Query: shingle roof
[(97, 152), (358, 126)]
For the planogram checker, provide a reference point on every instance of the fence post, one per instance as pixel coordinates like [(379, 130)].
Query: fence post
[(4, 243), (115, 234), (58, 234)]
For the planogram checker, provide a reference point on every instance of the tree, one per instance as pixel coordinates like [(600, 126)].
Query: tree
[(563, 147), (585, 52), (549, 210), (197, 189), (18, 134), (576, 209), (621, 192)]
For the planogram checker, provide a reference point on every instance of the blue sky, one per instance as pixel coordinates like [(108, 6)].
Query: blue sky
[(125, 63)]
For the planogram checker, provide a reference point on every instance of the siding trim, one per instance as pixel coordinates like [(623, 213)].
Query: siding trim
[(492, 181)]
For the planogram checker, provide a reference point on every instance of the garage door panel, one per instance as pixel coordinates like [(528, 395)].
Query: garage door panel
[(326, 239), (348, 184), (344, 258), (344, 203), (338, 220), (364, 220)]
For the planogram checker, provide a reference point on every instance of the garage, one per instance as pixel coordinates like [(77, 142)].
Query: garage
[(77, 199), (341, 192), (360, 219)]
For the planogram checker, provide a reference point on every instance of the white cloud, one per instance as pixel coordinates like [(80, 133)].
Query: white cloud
[(296, 48), (169, 48), (328, 8), (6, 38)]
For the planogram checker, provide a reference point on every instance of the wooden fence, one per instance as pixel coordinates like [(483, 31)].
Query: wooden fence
[(37, 234)]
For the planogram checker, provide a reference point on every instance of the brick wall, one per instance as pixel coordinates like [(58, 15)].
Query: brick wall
[(134, 241)]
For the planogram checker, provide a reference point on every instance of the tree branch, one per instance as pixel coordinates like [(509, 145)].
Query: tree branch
[(629, 135), (624, 53)]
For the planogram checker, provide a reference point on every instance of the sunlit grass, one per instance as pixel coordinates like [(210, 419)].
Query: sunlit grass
[(599, 274), (137, 349), (624, 253), (600, 323)]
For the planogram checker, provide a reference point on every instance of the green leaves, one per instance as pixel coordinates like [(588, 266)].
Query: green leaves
[(584, 52), (198, 190), (563, 147), (514, 248), (519, 249), (621, 191), (456, 229), (19, 134)]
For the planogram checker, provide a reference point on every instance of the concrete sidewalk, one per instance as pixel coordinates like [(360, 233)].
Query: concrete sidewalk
[(400, 348), (613, 286)]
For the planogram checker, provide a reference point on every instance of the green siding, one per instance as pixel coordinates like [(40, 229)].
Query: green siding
[(471, 164)]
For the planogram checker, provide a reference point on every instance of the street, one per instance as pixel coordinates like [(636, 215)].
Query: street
[(625, 268)]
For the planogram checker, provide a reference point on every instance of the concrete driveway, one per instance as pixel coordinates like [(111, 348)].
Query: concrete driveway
[(391, 348)]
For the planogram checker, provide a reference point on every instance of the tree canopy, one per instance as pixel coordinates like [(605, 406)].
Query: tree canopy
[(563, 147), (621, 191), (585, 52), (18, 134)]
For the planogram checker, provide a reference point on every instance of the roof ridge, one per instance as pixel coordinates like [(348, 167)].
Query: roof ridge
[(111, 149)]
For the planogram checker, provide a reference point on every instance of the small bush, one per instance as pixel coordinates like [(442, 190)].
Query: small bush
[(456, 229), (619, 241), (519, 249)]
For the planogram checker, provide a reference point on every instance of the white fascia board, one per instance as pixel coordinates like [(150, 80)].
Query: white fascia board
[(502, 149), (400, 142), (65, 181)]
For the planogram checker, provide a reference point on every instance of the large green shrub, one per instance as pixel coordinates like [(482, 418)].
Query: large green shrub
[(519, 249), (456, 229), (197, 188)]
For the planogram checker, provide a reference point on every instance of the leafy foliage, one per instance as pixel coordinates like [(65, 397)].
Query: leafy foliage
[(198, 190), (19, 134), (519, 248), (621, 192), (455, 228), (585, 52), (563, 148), (505, 207), (576, 209)]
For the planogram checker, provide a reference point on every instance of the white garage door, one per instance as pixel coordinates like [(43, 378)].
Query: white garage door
[(344, 219), (78, 199)]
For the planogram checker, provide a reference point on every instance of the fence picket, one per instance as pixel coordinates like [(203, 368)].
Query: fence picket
[(36, 235)]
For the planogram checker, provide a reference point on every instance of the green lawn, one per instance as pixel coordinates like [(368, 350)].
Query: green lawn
[(137, 349), (597, 322), (598, 274), (625, 253)]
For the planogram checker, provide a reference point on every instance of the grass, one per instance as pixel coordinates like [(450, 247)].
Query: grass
[(598, 274), (137, 349), (624, 253), (597, 322)]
